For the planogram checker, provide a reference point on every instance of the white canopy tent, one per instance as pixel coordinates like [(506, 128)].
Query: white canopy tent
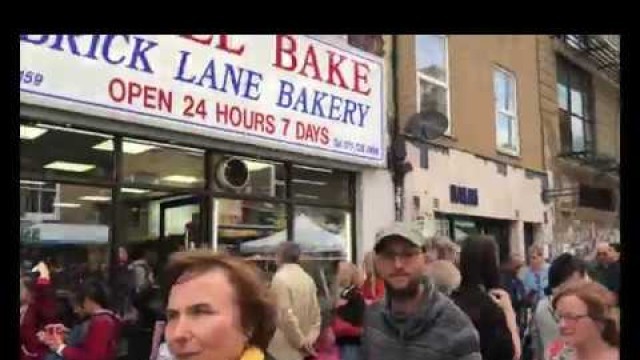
[(58, 234), (311, 237)]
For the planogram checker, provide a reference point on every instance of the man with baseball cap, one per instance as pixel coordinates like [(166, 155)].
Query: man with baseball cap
[(414, 320)]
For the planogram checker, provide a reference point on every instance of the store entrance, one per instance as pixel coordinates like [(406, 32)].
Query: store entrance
[(180, 223)]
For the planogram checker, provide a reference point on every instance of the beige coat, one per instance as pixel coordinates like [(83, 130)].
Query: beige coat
[(298, 312)]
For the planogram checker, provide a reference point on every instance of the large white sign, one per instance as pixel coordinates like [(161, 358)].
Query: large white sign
[(287, 92)]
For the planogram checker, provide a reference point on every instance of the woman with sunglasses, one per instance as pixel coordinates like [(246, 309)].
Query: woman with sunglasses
[(587, 322)]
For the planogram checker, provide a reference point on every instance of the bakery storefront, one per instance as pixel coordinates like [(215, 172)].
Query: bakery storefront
[(165, 142)]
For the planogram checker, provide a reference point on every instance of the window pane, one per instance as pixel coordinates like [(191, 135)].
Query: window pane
[(319, 184), (499, 87), (431, 56), (588, 136), (72, 238), (51, 151), (577, 134), (250, 228), (565, 131), (433, 97), (503, 85), (265, 178), (563, 97), (505, 133), (323, 233), (577, 106), (156, 164), (141, 209)]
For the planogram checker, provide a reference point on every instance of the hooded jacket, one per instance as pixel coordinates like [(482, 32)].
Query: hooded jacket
[(439, 330)]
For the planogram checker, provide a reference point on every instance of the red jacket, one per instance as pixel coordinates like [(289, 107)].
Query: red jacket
[(372, 295), (101, 341), (41, 311)]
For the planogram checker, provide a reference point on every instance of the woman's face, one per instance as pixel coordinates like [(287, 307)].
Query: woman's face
[(203, 319), (575, 325), (345, 275)]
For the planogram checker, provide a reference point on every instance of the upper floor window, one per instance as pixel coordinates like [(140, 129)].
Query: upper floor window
[(433, 74), (504, 88), (575, 110)]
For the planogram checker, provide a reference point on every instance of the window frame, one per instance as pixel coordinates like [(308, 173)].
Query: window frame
[(447, 86), (115, 183), (515, 122), (573, 72)]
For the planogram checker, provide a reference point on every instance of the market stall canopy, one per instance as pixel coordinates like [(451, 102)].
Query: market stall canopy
[(311, 237), (53, 234)]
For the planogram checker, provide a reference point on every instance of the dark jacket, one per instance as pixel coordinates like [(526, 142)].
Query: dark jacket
[(347, 323), (495, 337), (41, 312), (438, 331)]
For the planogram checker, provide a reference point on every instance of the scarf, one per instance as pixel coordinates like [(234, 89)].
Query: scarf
[(252, 353)]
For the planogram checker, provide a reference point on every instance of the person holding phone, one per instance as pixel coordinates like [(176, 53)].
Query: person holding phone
[(103, 331), (37, 309)]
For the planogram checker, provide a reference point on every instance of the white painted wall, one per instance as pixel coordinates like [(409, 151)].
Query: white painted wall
[(512, 197), (374, 209)]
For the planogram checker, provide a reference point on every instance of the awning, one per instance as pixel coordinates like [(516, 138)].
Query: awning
[(311, 237)]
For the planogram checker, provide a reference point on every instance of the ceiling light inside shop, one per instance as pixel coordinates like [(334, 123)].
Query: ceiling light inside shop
[(134, 191), (69, 166), (69, 129), (305, 196), (30, 132), (309, 182), (31, 182), (67, 205), (181, 179), (95, 198), (256, 166), (328, 171), (127, 147)]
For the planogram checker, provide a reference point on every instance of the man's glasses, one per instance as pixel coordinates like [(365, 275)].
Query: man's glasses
[(402, 255)]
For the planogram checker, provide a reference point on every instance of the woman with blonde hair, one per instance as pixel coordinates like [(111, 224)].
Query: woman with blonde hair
[(373, 286), (349, 311)]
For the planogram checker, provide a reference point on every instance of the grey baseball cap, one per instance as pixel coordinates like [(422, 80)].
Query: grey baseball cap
[(397, 229)]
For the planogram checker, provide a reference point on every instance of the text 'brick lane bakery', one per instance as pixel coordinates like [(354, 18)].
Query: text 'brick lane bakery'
[(158, 143)]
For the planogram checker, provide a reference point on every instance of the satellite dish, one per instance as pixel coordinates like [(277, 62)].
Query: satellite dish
[(424, 126)]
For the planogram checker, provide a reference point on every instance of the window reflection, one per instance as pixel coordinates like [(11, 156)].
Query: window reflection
[(321, 185), (68, 227), (323, 233), (250, 228), (49, 151), (431, 55), (158, 164)]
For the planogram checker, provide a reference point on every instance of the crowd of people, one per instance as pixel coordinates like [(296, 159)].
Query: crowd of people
[(412, 298)]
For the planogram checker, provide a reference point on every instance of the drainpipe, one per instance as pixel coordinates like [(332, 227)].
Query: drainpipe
[(397, 150)]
